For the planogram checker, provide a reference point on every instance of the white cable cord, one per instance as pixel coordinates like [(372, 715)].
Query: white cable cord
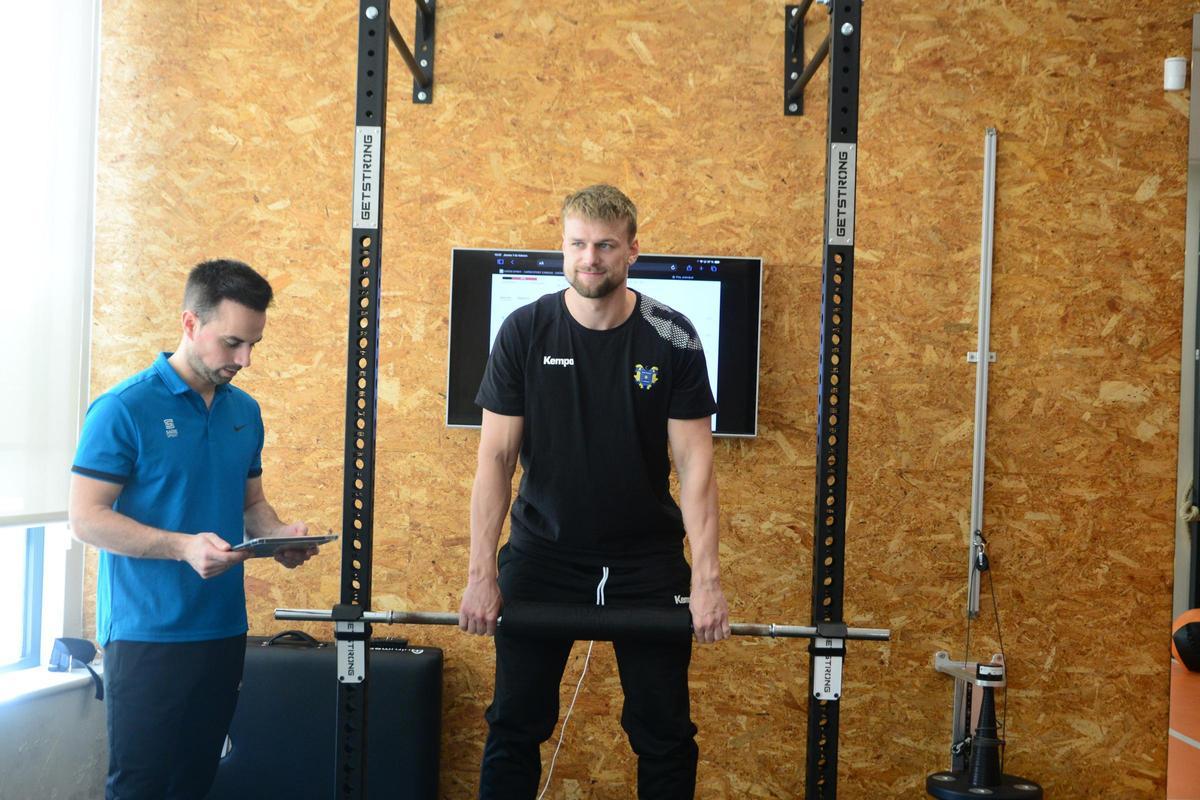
[(563, 731), (586, 660)]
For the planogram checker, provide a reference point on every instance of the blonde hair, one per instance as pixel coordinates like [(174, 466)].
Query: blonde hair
[(602, 202)]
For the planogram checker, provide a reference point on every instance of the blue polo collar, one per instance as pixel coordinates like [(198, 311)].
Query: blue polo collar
[(171, 378)]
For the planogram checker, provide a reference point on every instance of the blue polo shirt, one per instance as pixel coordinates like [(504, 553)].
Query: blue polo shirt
[(182, 467)]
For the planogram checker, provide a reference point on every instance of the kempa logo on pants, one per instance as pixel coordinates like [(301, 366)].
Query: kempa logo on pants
[(551, 361)]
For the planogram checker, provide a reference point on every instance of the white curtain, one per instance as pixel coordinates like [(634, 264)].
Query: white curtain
[(49, 59)]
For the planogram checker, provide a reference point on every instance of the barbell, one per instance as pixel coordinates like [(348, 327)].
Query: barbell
[(602, 623)]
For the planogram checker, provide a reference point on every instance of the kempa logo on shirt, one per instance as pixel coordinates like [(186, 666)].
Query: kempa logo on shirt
[(551, 361), (169, 425), (682, 599)]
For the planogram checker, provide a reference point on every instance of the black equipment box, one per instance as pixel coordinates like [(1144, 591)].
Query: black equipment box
[(282, 739)]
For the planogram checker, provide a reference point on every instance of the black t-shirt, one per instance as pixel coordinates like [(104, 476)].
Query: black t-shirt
[(595, 487)]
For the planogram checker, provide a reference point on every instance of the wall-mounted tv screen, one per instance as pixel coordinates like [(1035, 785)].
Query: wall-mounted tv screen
[(722, 297)]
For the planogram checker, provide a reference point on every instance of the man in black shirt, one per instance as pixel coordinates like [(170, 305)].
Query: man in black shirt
[(589, 387)]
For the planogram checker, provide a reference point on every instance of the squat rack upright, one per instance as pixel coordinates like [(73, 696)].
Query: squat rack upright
[(352, 616)]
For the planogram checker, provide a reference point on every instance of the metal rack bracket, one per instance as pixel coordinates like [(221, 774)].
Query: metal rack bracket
[(796, 71)]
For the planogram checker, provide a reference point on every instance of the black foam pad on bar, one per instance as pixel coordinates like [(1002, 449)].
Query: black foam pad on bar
[(602, 623)]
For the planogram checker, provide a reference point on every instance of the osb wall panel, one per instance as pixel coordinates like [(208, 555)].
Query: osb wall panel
[(225, 129)]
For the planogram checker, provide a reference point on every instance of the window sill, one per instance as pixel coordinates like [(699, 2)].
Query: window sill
[(26, 684)]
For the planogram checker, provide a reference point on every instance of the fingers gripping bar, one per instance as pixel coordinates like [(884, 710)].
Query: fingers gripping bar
[(602, 623)]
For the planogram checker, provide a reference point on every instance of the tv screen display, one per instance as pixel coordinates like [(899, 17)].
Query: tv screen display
[(722, 296)]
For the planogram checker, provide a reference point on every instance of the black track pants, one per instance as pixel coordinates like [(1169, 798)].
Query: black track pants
[(169, 706), (525, 708)]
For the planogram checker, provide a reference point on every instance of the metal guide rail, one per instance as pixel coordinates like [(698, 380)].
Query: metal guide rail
[(362, 356), (833, 396)]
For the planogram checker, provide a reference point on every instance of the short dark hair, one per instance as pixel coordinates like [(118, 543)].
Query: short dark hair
[(213, 281)]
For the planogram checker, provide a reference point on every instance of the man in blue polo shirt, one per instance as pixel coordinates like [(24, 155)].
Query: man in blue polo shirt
[(167, 478)]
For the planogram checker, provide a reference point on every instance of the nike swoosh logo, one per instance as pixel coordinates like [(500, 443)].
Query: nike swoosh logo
[(237, 428)]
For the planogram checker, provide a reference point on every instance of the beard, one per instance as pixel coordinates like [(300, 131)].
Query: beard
[(210, 375), (595, 291)]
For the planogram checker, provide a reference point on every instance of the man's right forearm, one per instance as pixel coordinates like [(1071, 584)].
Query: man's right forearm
[(117, 533), (490, 499)]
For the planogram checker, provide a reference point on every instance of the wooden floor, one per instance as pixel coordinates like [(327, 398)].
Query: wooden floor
[(1183, 750)]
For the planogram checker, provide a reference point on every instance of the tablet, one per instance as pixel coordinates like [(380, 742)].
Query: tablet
[(267, 547)]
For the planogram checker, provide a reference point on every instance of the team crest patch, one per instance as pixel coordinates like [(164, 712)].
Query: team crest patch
[(645, 377)]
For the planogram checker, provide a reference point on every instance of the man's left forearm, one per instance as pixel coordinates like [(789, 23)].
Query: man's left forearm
[(691, 445), (262, 521), (698, 502)]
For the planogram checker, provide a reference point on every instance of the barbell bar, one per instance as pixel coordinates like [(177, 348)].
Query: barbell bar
[(602, 623)]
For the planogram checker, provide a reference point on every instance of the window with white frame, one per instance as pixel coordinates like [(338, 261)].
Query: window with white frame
[(21, 558), (40, 592), (47, 158)]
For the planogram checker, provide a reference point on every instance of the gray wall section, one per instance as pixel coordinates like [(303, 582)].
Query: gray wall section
[(53, 746)]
